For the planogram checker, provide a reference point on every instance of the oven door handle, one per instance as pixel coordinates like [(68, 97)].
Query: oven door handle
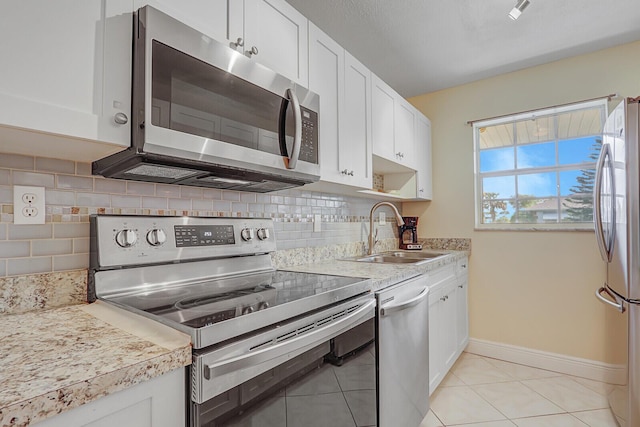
[(303, 341)]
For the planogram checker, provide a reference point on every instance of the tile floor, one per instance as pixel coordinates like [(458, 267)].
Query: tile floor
[(484, 392)]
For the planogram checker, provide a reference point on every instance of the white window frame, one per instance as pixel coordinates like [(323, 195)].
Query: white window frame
[(530, 115)]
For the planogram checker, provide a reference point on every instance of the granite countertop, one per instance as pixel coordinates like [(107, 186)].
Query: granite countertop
[(383, 275), (58, 359)]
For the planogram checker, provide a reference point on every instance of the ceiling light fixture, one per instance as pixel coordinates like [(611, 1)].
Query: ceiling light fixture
[(518, 9)]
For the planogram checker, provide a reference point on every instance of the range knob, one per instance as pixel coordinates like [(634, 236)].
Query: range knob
[(246, 234), (156, 237), (248, 310), (263, 233), (126, 238)]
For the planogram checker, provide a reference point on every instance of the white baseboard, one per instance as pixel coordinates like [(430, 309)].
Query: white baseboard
[(585, 368)]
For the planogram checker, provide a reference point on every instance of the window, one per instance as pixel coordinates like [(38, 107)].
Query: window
[(536, 170)]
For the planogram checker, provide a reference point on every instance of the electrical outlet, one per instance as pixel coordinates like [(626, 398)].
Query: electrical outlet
[(28, 205)]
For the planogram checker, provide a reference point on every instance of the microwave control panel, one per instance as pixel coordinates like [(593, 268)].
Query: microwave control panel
[(309, 142)]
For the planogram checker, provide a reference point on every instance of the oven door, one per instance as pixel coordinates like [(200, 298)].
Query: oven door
[(200, 100), (280, 374)]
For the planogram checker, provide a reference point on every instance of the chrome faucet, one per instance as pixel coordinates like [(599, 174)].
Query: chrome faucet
[(372, 239)]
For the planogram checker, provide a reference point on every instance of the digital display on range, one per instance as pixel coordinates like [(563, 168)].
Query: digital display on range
[(204, 235)]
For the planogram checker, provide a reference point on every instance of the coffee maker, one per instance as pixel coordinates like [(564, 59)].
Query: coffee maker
[(409, 233)]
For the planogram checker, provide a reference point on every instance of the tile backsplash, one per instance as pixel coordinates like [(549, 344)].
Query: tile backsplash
[(72, 194)]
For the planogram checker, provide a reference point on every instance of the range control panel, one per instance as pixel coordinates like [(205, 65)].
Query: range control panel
[(119, 240)]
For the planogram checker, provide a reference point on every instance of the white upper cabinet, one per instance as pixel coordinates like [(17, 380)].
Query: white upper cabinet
[(383, 112), (423, 164), (355, 148), (66, 70), (278, 33), (271, 32), (219, 19), (345, 116), (404, 137)]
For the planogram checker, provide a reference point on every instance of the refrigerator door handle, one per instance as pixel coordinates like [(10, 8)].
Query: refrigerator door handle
[(606, 247), (617, 303)]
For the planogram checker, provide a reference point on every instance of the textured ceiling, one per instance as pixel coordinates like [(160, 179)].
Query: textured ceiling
[(419, 46)]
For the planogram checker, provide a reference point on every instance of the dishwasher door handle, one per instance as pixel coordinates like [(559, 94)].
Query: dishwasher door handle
[(393, 308)]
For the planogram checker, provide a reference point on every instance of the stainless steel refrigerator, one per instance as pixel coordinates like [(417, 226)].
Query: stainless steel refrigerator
[(617, 223)]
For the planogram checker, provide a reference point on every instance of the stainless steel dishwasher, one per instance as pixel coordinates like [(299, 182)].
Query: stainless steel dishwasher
[(402, 347)]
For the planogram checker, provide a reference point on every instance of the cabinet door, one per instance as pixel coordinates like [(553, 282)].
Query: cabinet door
[(436, 359), (159, 402), (423, 158), (279, 33), (404, 136), (383, 118), (449, 319), (462, 314), (221, 20), (326, 78), (354, 147), (53, 66)]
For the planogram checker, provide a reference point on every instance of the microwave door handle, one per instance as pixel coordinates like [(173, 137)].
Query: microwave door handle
[(602, 243), (297, 138)]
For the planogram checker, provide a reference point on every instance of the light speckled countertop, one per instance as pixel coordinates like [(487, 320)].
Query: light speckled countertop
[(383, 275), (55, 360)]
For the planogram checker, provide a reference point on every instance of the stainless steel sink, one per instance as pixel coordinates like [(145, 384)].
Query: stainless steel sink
[(399, 257)]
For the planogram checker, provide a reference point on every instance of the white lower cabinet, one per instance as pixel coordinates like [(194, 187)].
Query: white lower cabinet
[(448, 321), (159, 402)]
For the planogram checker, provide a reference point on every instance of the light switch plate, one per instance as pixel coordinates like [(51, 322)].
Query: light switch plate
[(28, 205)]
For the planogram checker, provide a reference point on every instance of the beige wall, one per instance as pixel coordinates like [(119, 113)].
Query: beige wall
[(530, 289)]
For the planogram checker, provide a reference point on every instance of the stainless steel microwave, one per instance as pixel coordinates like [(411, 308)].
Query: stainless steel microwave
[(204, 114)]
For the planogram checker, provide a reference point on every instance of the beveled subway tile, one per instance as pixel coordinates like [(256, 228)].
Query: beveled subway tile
[(6, 195), (202, 205), (45, 164), (3, 231), (248, 197), (154, 203), (16, 161), (212, 193), (30, 231), (112, 186), (71, 230), (74, 182), (180, 204), (93, 199), (126, 201), (165, 190), (81, 245), (141, 188), (221, 206), (5, 177), (34, 179), (15, 249), (52, 247), (83, 168), (3, 267), (238, 207), (18, 266), (59, 198), (70, 262), (233, 196), (187, 192)]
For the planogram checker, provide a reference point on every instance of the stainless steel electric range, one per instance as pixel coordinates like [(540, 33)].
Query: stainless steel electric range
[(254, 329)]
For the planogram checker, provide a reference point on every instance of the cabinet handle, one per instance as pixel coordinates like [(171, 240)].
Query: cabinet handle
[(252, 51), (238, 43), (121, 118), (346, 172), (350, 173), (422, 190), (443, 299), (400, 155), (461, 286)]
